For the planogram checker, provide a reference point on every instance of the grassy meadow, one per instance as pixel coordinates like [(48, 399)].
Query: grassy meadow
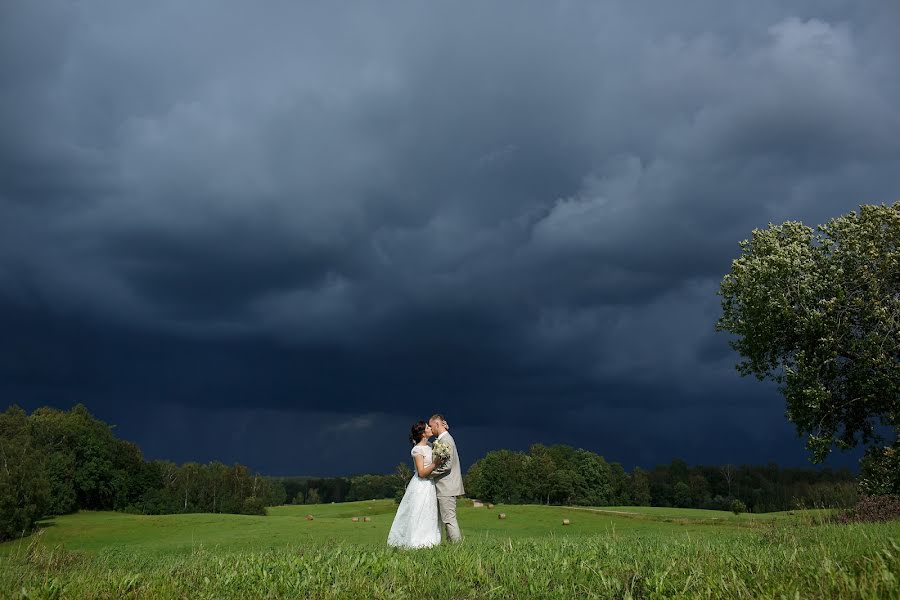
[(609, 552)]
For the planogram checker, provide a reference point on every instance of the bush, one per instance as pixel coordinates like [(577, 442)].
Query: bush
[(254, 505), (738, 507), (874, 508), (157, 502), (880, 471)]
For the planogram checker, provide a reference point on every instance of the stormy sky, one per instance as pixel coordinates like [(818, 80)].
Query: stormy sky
[(279, 233)]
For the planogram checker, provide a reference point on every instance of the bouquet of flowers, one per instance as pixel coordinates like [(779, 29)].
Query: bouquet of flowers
[(442, 450)]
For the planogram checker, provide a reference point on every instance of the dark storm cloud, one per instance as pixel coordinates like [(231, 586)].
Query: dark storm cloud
[(519, 214)]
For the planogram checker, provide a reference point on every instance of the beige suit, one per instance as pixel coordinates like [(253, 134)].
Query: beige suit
[(449, 484)]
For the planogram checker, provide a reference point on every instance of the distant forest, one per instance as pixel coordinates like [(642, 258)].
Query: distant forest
[(563, 475), (56, 462)]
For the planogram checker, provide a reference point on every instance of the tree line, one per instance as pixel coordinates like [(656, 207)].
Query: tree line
[(323, 490), (55, 462), (568, 476)]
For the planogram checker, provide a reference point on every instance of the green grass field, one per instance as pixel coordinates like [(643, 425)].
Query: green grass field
[(609, 552)]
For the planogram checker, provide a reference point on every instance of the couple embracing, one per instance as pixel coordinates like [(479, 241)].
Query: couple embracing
[(430, 497)]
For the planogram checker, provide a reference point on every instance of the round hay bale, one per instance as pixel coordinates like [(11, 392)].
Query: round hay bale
[(566, 522), (367, 519), (501, 516), (309, 517), (489, 505), (355, 519)]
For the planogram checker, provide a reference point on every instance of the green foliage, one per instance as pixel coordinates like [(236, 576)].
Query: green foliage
[(738, 507), (211, 488), (640, 487), (683, 495), (253, 506), (593, 478), (819, 313), (24, 488), (57, 462), (568, 476), (474, 483), (330, 489), (60, 468), (619, 492), (369, 487), (87, 466), (312, 497), (271, 491), (699, 490), (500, 477), (880, 471), (402, 475)]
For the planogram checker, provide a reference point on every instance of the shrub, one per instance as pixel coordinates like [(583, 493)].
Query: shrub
[(157, 502), (880, 471), (874, 508), (254, 505), (737, 507)]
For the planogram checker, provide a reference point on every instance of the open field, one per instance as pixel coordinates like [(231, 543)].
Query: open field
[(645, 553)]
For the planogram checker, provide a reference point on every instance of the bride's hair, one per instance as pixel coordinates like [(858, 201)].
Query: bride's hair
[(415, 434)]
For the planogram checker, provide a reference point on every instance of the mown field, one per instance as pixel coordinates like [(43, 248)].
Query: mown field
[(612, 552)]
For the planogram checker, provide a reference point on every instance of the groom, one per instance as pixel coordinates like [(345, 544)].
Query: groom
[(447, 480)]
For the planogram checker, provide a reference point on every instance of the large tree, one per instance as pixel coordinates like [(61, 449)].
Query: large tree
[(24, 488), (817, 311)]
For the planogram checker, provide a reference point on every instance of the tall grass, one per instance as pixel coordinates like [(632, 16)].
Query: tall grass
[(778, 560)]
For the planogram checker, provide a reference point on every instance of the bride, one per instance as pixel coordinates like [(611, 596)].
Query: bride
[(416, 522)]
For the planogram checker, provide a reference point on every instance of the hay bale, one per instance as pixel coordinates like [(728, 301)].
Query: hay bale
[(477, 504), (355, 519), (566, 522), (367, 519), (489, 505), (501, 516), (309, 517)]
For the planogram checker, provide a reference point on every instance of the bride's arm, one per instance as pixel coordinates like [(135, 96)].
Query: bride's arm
[(422, 470)]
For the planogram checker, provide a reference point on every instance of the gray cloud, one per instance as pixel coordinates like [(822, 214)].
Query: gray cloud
[(306, 208)]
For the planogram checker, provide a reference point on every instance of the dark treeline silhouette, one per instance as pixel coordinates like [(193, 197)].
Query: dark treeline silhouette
[(322, 490), (565, 475)]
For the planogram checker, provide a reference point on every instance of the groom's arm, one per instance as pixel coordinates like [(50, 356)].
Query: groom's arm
[(441, 470)]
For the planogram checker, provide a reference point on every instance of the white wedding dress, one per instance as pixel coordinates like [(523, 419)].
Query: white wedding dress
[(416, 522)]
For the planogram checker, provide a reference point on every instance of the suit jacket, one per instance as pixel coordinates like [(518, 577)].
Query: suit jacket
[(448, 482)]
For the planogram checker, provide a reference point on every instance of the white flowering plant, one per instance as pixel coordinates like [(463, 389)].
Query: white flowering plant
[(443, 451)]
